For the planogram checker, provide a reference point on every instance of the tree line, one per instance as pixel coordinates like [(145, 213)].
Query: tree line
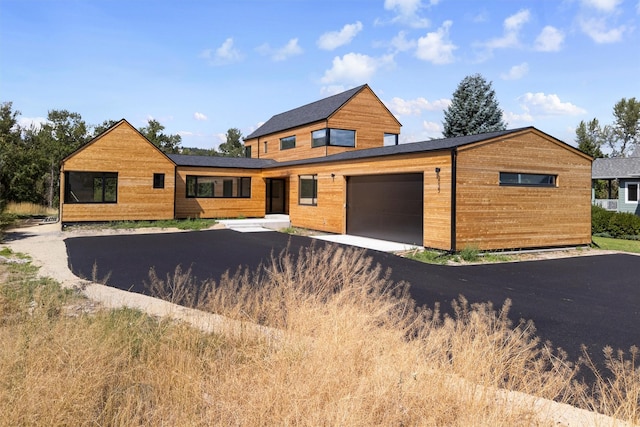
[(30, 157)]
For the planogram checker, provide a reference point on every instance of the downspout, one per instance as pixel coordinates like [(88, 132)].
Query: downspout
[(454, 158)]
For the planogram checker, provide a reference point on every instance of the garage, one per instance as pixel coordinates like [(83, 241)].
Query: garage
[(387, 207)]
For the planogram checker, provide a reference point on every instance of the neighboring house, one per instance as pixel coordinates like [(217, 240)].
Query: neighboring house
[(625, 171), (509, 189)]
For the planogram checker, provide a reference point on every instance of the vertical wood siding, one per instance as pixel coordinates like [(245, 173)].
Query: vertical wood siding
[(122, 150), (490, 216)]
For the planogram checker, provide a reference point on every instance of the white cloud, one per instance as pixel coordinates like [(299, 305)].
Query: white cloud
[(354, 68), (602, 5), (407, 12), (200, 117), (432, 128), (436, 47), (516, 72), (34, 123), (517, 119), (512, 26), (542, 104), (335, 39), (596, 28), (550, 39), (401, 44), (414, 107), (225, 54), (280, 54), (186, 133)]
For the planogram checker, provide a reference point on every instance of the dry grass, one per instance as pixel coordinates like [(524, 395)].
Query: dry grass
[(29, 209), (354, 351)]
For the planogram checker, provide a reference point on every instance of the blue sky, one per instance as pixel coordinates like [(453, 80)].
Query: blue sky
[(202, 67)]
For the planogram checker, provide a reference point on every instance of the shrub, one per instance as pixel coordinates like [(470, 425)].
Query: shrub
[(615, 224), (600, 220)]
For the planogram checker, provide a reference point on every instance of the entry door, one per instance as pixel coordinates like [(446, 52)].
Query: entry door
[(276, 196), (387, 207)]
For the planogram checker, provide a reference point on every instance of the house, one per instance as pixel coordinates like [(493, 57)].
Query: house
[(511, 189), (623, 173)]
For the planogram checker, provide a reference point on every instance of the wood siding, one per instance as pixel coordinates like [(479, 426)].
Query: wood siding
[(490, 216), (330, 213), (203, 207), (364, 113), (125, 151)]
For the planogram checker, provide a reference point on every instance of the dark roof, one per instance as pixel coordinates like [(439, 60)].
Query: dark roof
[(616, 167), (316, 111), (220, 162), (413, 147)]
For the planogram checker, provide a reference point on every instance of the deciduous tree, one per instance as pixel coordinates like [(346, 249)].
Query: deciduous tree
[(473, 109), (169, 144), (623, 136), (233, 146)]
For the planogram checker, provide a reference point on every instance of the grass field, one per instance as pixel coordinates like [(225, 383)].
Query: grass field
[(353, 351), (617, 244)]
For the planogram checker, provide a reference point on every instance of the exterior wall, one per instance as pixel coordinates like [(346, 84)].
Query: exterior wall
[(364, 113), (490, 216), (202, 207), (623, 205), (330, 212), (125, 151)]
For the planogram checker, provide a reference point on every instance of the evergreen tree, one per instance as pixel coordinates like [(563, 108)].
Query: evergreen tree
[(473, 110), (589, 138)]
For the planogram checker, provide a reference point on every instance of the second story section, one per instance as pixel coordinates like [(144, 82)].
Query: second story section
[(352, 120)]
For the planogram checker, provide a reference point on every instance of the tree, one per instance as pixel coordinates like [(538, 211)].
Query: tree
[(624, 135), (473, 109), (233, 147), (169, 144), (63, 133), (98, 129), (589, 138), (9, 141)]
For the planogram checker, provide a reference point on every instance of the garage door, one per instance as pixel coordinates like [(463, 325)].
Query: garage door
[(387, 207)]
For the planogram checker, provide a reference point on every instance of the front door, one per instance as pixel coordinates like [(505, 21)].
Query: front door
[(276, 196)]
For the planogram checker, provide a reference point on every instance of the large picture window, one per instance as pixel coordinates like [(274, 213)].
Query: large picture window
[(633, 192), (337, 137), (218, 186), (528, 179), (308, 192), (288, 142), (91, 187)]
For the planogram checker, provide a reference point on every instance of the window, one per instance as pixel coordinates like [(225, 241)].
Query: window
[(288, 142), (308, 190), (390, 139), (632, 193), (218, 187), (158, 180), (91, 187), (527, 179), (337, 137), (319, 138), (247, 151), (265, 146)]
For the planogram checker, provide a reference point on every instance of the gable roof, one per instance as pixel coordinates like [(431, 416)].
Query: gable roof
[(109, 129), (313, 112), (220, 161), (413, 147), (616, 167)]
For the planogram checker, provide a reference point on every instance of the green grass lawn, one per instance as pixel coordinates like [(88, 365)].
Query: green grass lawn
[(617, 244)]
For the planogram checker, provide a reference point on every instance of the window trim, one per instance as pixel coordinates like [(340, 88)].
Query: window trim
[(308, 201), (69, 195), (626, 192), (288, 140), (158, 180), (240, 187), (520, 175)]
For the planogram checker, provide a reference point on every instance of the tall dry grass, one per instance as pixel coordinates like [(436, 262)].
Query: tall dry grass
[(354, 350), (29, 209)]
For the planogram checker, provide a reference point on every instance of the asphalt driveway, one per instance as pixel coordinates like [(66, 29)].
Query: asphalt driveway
[(591, 300)]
